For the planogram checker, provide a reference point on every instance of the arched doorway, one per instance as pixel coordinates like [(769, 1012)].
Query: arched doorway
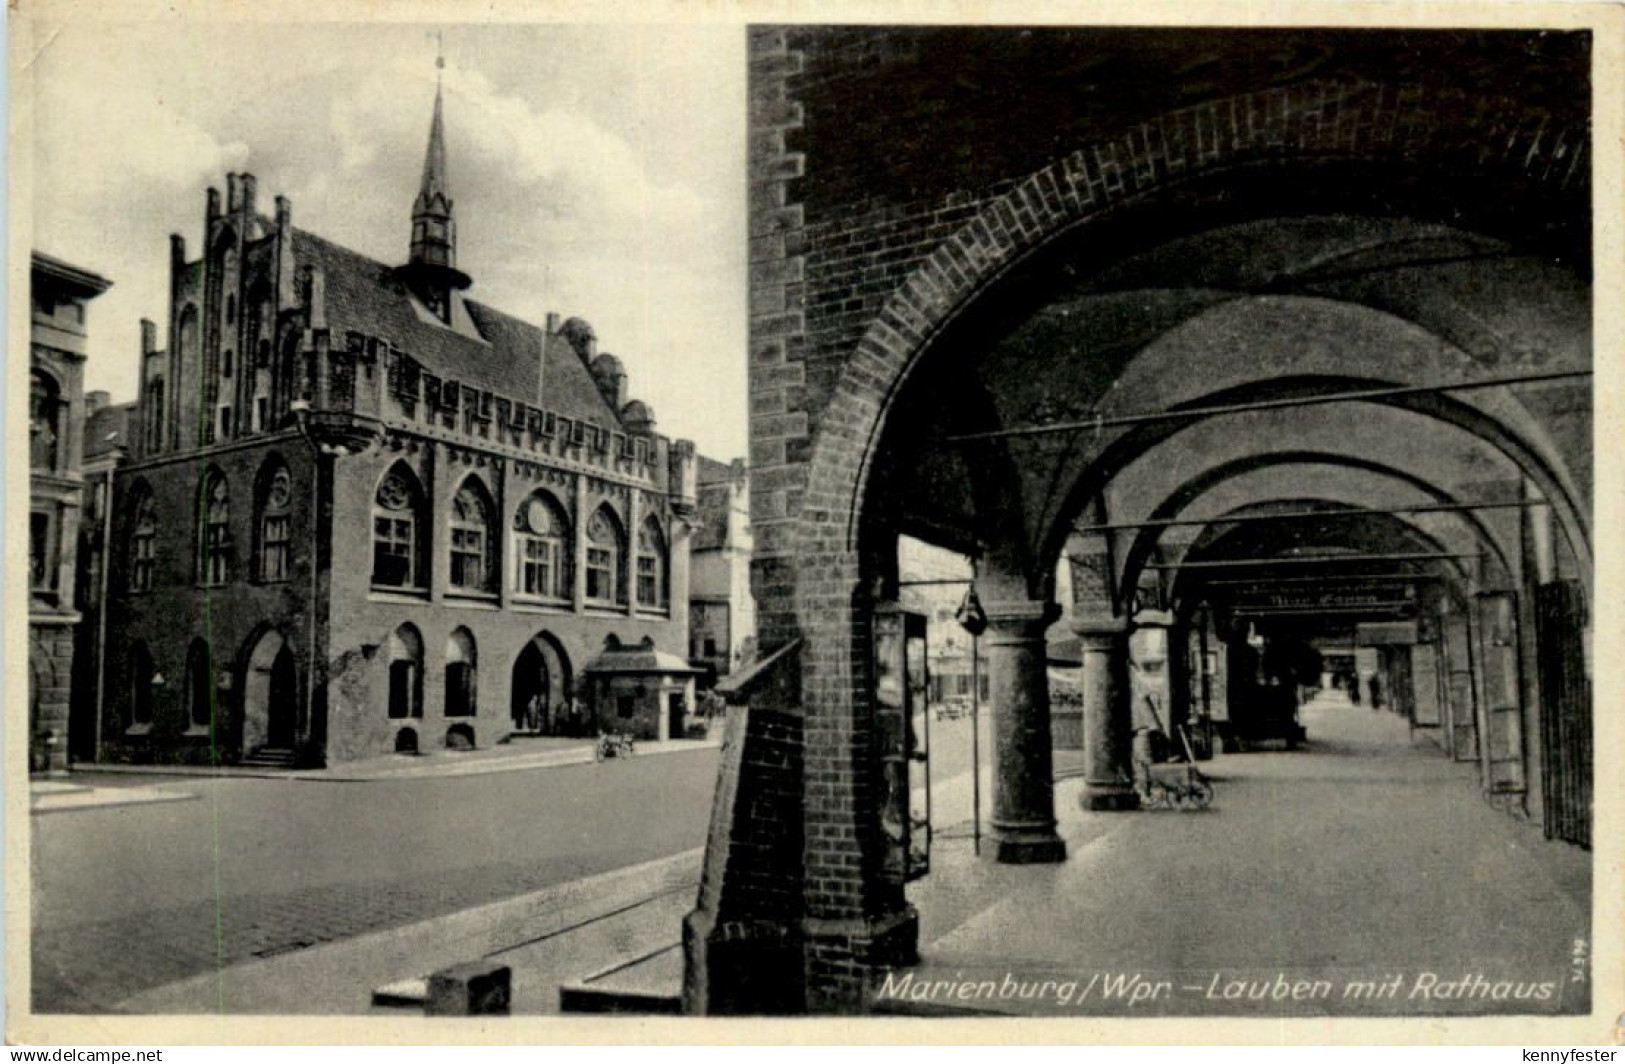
[(541, 685), (270, 695)]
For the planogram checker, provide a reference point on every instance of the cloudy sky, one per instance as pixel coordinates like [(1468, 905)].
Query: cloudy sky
[(597, 172)]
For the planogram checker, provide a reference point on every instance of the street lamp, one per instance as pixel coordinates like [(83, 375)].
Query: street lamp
[(301, 414)]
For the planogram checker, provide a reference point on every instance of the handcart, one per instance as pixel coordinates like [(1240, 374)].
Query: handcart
[(1178, 785)]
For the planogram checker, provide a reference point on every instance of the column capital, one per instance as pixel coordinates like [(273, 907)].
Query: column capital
[(1101, 633), (1019, 613), (1153, 619)]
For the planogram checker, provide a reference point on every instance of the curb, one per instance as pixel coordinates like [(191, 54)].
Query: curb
[(517, 763), (317, 979)]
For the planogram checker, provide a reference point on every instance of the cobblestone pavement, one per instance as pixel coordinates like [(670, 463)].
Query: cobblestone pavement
[(131, 898)]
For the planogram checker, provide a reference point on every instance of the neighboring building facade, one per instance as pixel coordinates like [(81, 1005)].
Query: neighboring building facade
[(399, 517), (106, 447), (721, 611), (59, 296)]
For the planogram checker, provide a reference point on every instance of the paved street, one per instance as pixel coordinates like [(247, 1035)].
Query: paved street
[(131, 897)]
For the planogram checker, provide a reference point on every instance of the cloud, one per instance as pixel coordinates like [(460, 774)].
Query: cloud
[(556, 212), (563, 202), (583, 185)]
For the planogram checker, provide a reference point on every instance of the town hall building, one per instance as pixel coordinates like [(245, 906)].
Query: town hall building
[(365, 513)]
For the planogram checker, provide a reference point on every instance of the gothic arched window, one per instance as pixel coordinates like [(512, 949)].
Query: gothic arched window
[(143, 541), (472, 549), (397, 524), (542, 549), (214, 530), (405, 673), (653, 579), (199, 685), (461, 663), (141, 685), (274, 523), (606, 559)]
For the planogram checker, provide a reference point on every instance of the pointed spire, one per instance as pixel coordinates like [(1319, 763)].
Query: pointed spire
[(433, 259), (434, 193)]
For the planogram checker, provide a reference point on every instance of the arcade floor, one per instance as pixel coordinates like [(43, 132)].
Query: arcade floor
[(1360, 875)]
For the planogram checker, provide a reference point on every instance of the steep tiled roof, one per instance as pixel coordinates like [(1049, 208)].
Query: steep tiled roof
[(107, 429), (712, 471), (367, 296)]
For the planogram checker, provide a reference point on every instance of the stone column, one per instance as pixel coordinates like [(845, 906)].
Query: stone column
[(1108, 772), (1023, 824), (1149, 650)]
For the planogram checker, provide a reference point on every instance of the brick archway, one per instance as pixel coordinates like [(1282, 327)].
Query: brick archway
[(1318, 123), (817, 423), (1176, 503)]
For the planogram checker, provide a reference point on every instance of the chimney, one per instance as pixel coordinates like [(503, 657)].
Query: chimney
[(149, 337), (284, 212), (233, 196), (552, 322), (95, 401), (212, 203), (246, 197)]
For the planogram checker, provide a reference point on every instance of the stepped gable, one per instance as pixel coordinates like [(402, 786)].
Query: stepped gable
[(366, 296)]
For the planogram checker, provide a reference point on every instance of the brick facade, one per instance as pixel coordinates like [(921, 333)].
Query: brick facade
[(394, 514)]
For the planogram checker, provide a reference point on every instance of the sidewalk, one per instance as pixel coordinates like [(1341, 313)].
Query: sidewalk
[(515, 756), (53, 796)]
